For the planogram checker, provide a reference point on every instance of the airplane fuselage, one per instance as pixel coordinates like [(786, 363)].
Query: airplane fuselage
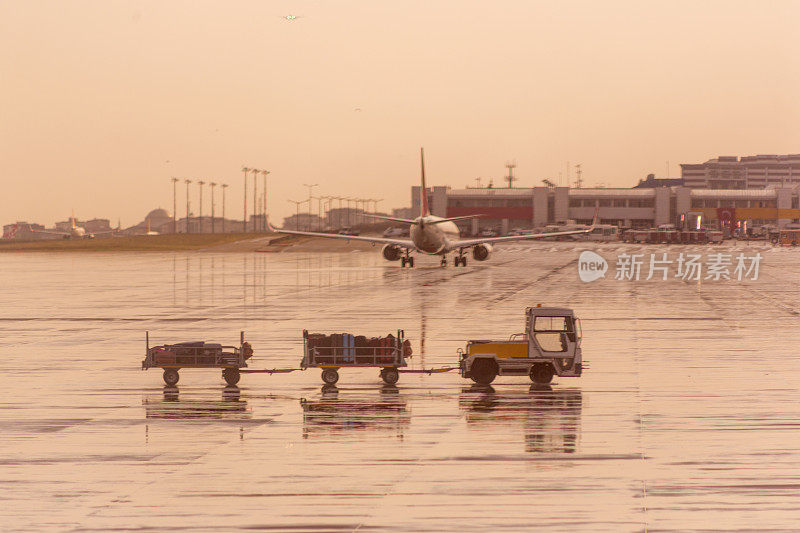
[(433, 239)]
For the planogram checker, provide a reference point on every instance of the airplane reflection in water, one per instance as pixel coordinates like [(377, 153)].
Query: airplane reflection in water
[(387, 412), (172, 406), (551, 418)]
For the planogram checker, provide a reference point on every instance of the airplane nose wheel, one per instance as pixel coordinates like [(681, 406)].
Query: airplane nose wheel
[(444, 261)]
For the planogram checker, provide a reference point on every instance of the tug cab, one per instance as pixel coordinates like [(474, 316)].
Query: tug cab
[(549, 346)]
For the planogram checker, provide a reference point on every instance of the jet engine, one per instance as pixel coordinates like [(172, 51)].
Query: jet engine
[(391, 252), (481, 252)]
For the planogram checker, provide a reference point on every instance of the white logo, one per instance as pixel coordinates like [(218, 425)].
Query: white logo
[(591, 266)]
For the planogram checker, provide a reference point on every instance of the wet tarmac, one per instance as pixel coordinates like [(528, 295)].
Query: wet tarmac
[(686, 419)]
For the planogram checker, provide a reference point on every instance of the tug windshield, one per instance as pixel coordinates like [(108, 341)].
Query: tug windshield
[(552, 332)]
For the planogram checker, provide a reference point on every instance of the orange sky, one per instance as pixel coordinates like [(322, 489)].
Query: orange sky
[(103, 101)]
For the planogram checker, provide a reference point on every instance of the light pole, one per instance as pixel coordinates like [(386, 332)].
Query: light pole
[(187, 181), (224, 186), (319, 211), (255, 196), (328, 201), (339, 217), (264, 173), (212, 184), (201, 183), (297, 215), (244, 217), (175, 205)]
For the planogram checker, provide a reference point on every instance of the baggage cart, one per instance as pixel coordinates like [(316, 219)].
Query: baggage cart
[(330, 352), (174, 357)]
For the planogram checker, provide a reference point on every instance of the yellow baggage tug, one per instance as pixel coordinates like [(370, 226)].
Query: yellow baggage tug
[(551, 345)]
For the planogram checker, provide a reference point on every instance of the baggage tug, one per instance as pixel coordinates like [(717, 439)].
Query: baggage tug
[(550, 345)]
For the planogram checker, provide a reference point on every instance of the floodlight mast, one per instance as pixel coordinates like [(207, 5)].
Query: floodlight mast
[(187, 181), (212, 184), (175, 204), (244, 216)]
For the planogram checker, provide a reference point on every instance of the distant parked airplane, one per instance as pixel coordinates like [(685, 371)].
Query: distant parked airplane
[(75, 232), (434, 235)]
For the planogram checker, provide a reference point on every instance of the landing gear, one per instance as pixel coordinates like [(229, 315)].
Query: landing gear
[(407, 260), (459, 260), (444, 261)]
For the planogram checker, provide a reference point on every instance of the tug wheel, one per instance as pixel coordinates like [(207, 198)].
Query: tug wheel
[(390, 375), (330, 376), (231, 375), (171, 376), (483, 371), (542, 373)]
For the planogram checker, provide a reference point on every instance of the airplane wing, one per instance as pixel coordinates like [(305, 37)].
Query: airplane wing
[(491, 240), (377, 240), (50, 232), (393, 219)]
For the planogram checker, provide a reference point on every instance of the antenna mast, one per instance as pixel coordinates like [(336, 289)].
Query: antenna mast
[(578, 178), (510, 178)]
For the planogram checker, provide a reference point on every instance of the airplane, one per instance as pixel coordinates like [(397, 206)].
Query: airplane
[(75, 232), (432, 235)]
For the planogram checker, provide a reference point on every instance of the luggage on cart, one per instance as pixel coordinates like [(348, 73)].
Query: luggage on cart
[(347, 349), (362, 350)]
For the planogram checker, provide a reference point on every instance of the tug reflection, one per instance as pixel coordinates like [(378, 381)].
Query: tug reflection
[(551, 418), (172, 405), (335, 413)]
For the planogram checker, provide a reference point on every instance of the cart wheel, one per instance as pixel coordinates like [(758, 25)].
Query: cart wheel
[(542, 373), (483, 371), (390, 375), (330, 376), (231, 375), (171, 376)]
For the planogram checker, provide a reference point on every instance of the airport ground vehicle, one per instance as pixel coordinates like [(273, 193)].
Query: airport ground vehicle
[(174, 357), (787, 237), (345, 350), (549, 346)]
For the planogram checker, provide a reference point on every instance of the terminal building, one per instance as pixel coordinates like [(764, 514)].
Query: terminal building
[(760, 189), (749, 172), (503, 209)]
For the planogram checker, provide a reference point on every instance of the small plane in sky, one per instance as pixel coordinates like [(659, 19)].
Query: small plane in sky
[(432, 235)]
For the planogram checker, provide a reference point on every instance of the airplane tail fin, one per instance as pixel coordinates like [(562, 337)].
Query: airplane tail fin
[(73, 219), (423, 191)]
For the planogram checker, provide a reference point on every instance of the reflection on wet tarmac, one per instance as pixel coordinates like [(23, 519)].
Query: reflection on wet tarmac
[(171, 405), (551, 419), (353, 411), (687, 419)]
